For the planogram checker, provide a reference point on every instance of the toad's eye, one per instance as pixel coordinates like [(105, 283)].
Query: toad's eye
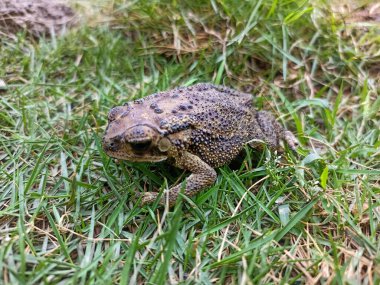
[(141, 146), (114, 113)]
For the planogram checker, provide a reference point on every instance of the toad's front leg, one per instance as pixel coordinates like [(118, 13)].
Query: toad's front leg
[(202, 176)]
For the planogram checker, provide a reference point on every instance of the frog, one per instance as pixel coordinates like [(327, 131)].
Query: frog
[(198, 128)]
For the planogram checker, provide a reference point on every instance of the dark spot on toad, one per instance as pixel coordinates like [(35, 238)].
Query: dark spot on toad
[(153, 106), (163, 123), (139, 101)]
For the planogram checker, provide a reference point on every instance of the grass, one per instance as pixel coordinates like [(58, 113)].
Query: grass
[(66, 210)]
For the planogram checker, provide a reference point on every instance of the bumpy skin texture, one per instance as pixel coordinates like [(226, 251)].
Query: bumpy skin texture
[(197, 128)]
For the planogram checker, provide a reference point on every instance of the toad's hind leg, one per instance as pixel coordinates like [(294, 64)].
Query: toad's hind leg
[(202, 176), (272, 132)]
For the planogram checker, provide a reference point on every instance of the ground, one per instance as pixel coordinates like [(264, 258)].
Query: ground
[(67, 214)]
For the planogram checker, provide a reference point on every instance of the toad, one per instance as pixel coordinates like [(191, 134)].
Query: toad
[(196, 128)]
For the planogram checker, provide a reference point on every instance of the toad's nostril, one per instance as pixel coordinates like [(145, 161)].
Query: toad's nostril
[(113, 143), (111, 146)]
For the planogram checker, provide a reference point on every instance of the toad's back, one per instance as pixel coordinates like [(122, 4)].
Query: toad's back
[(220, 119)]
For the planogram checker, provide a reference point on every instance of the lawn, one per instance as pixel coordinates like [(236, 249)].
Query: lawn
[(68, 213)]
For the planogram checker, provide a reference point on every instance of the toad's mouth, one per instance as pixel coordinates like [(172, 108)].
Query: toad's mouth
[(136, 157)]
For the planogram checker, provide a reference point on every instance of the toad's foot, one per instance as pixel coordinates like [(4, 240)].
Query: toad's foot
[(150, 197), (291, 140), (272, 132), (202, 177)]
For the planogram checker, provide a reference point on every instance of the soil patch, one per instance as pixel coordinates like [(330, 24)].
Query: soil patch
[(37, 17)]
